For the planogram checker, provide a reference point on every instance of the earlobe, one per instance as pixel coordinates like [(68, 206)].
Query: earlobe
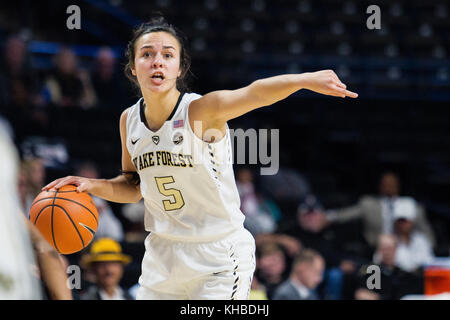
[(133, 72)]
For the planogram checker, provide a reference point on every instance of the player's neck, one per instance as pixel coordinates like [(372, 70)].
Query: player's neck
[(159, 106)]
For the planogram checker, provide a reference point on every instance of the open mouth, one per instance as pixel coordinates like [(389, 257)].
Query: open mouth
[(158, 76)]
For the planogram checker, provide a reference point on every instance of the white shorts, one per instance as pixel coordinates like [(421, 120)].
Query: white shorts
[(218, 270)]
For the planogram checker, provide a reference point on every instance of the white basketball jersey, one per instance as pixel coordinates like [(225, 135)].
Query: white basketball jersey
[(187, 184)]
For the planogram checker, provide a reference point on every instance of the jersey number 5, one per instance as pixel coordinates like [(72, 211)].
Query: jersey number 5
[(177, 201)]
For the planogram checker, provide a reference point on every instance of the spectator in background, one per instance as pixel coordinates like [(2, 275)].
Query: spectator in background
[(271, 266), (256, 220), (106, 261), (414, 249), (31, 179), (307, 231), (67, 84), (134, 213), (306, 275), (376, 212), (257, 290), (395, 283), (286, 186), (135, 235), (19, 88), (108, 84), (108, 224), (22, 188), (20, 81)]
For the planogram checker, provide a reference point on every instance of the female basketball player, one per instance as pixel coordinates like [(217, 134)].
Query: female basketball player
[(198, 247)]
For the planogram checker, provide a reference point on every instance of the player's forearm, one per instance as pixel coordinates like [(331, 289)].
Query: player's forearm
[(221, 106), (265, 92), (54, 275), (118, 189), (260, 93), (270, 90), (50, 266)]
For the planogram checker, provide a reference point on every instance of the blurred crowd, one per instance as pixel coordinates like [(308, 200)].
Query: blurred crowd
[(307, 258), (68, 82), (302, 254)]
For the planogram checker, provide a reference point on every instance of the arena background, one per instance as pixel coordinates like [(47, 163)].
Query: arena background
[(400, 122)]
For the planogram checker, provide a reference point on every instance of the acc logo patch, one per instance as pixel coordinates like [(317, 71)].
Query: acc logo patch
[(177, 138)]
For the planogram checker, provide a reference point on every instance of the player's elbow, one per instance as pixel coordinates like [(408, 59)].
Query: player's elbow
[(129, 199), (136, 196)]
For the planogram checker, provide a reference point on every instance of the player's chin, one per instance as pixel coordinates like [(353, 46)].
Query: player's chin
[(158, 88)]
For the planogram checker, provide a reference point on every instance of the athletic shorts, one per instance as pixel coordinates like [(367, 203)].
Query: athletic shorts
[(218, 270)]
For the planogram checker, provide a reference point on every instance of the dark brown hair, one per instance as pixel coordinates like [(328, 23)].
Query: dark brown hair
[(159, 24)]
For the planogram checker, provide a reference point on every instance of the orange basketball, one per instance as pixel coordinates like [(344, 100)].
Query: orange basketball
[(66, 218)]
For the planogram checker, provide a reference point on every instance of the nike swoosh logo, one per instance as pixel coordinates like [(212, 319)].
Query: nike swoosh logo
[(133, 142), (87, 228)]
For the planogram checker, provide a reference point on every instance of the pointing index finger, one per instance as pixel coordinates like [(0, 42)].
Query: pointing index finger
[(351, 94)]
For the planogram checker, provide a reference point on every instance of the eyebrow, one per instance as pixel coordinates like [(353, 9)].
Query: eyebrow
[(151, 47)]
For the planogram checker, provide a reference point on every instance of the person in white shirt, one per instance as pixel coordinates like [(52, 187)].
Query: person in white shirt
[(414, 249)]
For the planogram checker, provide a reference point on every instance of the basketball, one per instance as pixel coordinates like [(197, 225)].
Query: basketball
[(66, 218)]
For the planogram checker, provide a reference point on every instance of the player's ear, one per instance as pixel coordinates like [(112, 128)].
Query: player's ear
[(132, 69)]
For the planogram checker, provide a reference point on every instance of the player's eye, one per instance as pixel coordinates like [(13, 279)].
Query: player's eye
[(146, 54), (168, 55)]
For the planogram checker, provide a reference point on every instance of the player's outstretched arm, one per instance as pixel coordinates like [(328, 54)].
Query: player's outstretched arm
[(217, 107), (120, 189)]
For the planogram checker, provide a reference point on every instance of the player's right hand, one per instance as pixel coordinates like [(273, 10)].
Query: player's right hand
[(83, 184)]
